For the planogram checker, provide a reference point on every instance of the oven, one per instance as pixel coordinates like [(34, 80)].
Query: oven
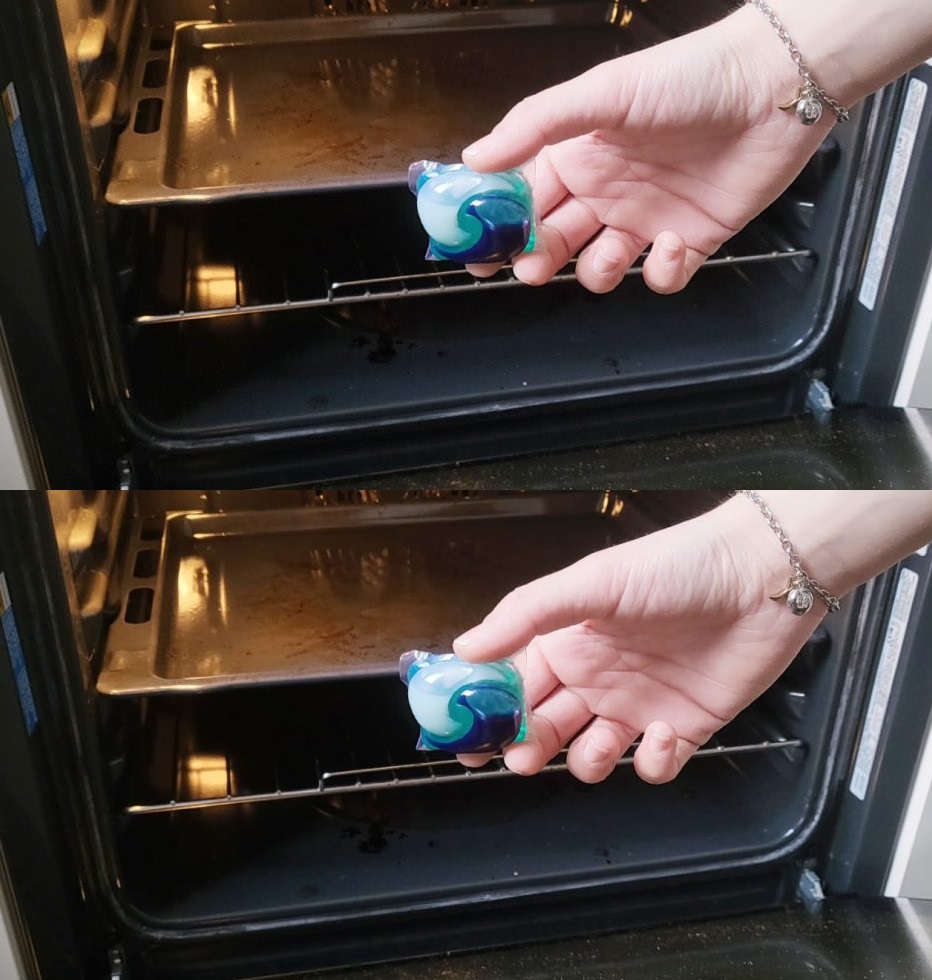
[(210, 771), (304, 448), (212, 272)]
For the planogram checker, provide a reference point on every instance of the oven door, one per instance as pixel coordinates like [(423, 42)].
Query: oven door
[(843, 939), (850, 447)]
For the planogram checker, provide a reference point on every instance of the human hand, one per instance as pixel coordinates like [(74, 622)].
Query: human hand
[(679, 145), (670, 635)]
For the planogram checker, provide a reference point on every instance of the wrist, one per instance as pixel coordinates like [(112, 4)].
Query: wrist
[(802, 590), (850, 48), (767, 60), (842, 537), (756, 549)]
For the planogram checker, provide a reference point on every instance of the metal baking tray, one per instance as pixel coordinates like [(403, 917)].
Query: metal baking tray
[(272, 596), (325, 103)]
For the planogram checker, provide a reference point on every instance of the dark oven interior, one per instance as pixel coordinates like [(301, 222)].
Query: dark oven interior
[(266, 264), (257, 756)]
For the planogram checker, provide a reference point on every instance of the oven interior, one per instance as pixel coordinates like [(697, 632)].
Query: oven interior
[(239, 656), (267, 268)]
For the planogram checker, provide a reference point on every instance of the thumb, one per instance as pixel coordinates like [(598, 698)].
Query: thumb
[(590, 589), (559, 113)]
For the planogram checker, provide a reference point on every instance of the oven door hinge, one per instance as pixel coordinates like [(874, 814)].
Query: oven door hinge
[(125, 473), (809, 889), (116, 964), (819, 399)]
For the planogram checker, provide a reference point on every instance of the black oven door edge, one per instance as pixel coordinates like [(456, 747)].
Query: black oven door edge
[(854, 939), (841, 939)]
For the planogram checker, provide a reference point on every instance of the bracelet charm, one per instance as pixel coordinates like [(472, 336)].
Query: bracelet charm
[(809, 100), (797, 594), (801, 589), (807, 104)]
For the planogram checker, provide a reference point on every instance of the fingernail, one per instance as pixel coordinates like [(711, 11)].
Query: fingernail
[(469, 638), (594, 753), (659, 742), (603, 262), (667, 251), (474, 149), (461, 642)]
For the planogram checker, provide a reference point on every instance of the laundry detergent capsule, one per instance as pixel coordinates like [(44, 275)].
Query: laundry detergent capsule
[(461, 706), (473, 217)]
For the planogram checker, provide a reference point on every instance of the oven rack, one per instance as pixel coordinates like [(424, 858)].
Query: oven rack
[(431, 770), (203, 286)]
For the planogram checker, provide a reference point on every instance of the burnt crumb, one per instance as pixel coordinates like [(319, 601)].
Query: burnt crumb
[(384, 351), (602, 852), (374, 841), (431, 843), (360, 342), (308, 891), (350, 832), (441, 353)]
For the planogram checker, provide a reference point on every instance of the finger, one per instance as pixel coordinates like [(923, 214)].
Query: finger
[(670, 264), (561, 234), (474, 760), (558, 113), (595, 751), (483, 270), (537, 675), (551, 726), (661, 755), (549, 189), (605, 261), (590, 589)]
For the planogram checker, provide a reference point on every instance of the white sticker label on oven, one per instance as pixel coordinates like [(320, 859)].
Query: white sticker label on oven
[(903, 600), (893, 192), (15, 650)]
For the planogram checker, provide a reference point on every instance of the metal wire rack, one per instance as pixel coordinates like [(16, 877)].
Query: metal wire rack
[(429, 771), (213, 291)]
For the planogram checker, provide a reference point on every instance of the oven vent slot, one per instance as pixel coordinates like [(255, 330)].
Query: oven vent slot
[(393, 776)]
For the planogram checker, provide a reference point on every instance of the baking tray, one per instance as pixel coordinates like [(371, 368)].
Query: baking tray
[(283, 106), (233, 599)]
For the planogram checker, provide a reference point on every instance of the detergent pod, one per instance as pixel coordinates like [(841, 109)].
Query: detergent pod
[(461, 706), (471, 217)]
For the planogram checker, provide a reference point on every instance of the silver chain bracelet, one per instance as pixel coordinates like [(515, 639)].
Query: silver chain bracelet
[(801, 587), (809, 98)]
